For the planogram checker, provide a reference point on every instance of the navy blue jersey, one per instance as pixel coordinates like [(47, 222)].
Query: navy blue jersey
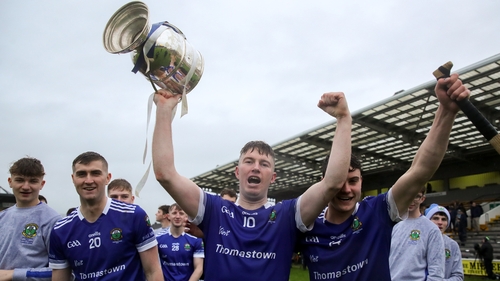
[(357, 249), (245, 244), (107, 249), (176, 255)]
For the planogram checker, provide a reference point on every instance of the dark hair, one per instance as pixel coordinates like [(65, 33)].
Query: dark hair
[(27, 166), (116, 183), (228, 191), (175, 206), (164, 208), (262, 148), (443, 214), (42, 198), (423, 190), (89, 156), (353, 165), (70, 210)]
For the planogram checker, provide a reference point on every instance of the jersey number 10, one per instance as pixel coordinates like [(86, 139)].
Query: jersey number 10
[(249, 222)]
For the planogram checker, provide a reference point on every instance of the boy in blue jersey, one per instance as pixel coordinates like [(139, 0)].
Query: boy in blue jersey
[(121, 190), (161, 216), (252, 239), (181, 254), (25, 227), (453, 268), (103, 239), (351, 238)]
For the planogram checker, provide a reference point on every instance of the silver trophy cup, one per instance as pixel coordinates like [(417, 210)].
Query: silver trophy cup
[(161, 52)]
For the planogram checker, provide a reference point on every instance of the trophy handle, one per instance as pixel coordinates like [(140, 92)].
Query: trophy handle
[(127, 29)]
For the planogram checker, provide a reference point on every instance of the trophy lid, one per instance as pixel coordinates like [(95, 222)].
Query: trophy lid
[(127, 29)]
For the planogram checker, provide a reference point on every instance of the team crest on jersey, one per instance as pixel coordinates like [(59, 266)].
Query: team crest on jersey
[(272, 216), (187, 247), (116, 234), (356, 224), (447, 253), (30, 230), (415, 235), (148, 223)]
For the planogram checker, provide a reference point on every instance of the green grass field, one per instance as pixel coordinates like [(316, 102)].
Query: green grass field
[(298, 274)]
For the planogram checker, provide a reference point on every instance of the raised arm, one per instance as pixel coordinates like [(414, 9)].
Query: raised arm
[(184, 191), (315, 199), (432, 150)]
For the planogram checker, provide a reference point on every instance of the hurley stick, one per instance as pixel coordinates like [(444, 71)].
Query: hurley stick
[(481, 123)]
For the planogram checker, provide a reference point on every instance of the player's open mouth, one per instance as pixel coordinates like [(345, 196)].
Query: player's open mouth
[(345, 198), (255, 180)]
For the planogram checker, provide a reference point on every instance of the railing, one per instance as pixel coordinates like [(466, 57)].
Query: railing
[(486, 216)]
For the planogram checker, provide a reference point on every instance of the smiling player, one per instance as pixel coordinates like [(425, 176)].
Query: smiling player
[(103, 239), (351, 239), (181, 254)]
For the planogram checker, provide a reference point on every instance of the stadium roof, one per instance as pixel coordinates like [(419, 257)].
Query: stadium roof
[(385, 135)]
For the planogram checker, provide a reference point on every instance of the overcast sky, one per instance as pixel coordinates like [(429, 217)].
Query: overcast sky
[(266, 65)]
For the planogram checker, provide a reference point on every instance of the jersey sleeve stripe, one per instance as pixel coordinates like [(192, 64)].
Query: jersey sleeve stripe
[(58, 264), (146, 245)]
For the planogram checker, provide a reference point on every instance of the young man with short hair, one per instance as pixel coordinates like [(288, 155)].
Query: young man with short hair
[(162, 217), (252, 239), (417, 247), (351, 238), (181, 254), (103, 239), (453, 270), (25, 228), (121, 190)]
